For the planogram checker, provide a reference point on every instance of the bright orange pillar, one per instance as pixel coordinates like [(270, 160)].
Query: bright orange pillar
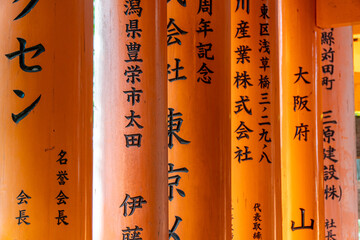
[(255, 123), (130, 134), (301, 156), (340, 183), (46, 119), (199, 119)]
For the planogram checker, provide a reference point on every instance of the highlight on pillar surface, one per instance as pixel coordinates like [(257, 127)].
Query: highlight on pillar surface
[(46, 120), (130, 137)]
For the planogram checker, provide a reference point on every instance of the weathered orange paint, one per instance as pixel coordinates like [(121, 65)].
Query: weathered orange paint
[(340, 208), (301, 160), (336, 13), (205, 210), (62, 120), (120, 170), (254, 181)]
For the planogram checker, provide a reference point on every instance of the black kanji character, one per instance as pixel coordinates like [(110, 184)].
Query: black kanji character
[(327, 38), (329, 173), (242, 80), (300, 75), (327, 55), (300, 103), (22, 217), (133, 50), (133, 7), (205, 6), (204, 71), (263, 135), (62, 176), (243, 155), (132, 29), (243, 51), (329, 154), (172, 233), (264, 82), (61, 218), (132, 118), (176, 70), (174, 124), (61, 197), (242, 30), (176, 181), (172, 31), (311, 226), (301, 132), (264, 29), (203, 50), (332, 193), (264, 11), (133, 96), (132, 233), (133, 140), (243, 2), (22, 198), (264, 46), (204, 27), (243, 131), (241, 105), (132, 203), (61, 159), (133, 73)]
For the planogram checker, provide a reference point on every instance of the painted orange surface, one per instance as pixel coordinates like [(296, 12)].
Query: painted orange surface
[(255, 154), (203, 100), (338, 105), (301, 145), (30, 187), (130, 183), (336, 13)]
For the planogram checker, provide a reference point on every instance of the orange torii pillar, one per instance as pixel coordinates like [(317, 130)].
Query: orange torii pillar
[(301, 139), (340, 185), (199, 119), (46, 120), (130, 132), (255, 157)]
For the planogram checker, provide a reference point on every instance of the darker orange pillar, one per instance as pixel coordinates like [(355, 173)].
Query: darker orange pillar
[(130, 134), (46, 119), (255, 154), (301, 156), (199, 119), (337, 76)]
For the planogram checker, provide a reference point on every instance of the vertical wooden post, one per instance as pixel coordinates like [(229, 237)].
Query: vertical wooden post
[(255, 123), (46, 119), (340, 183), (301, 156), (199, 119), (130, 143)]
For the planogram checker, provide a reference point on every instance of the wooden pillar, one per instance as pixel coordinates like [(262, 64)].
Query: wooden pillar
[(199, 119), (340, 183), (46, 119), (301, 156), (255, 124), (130, 140)]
